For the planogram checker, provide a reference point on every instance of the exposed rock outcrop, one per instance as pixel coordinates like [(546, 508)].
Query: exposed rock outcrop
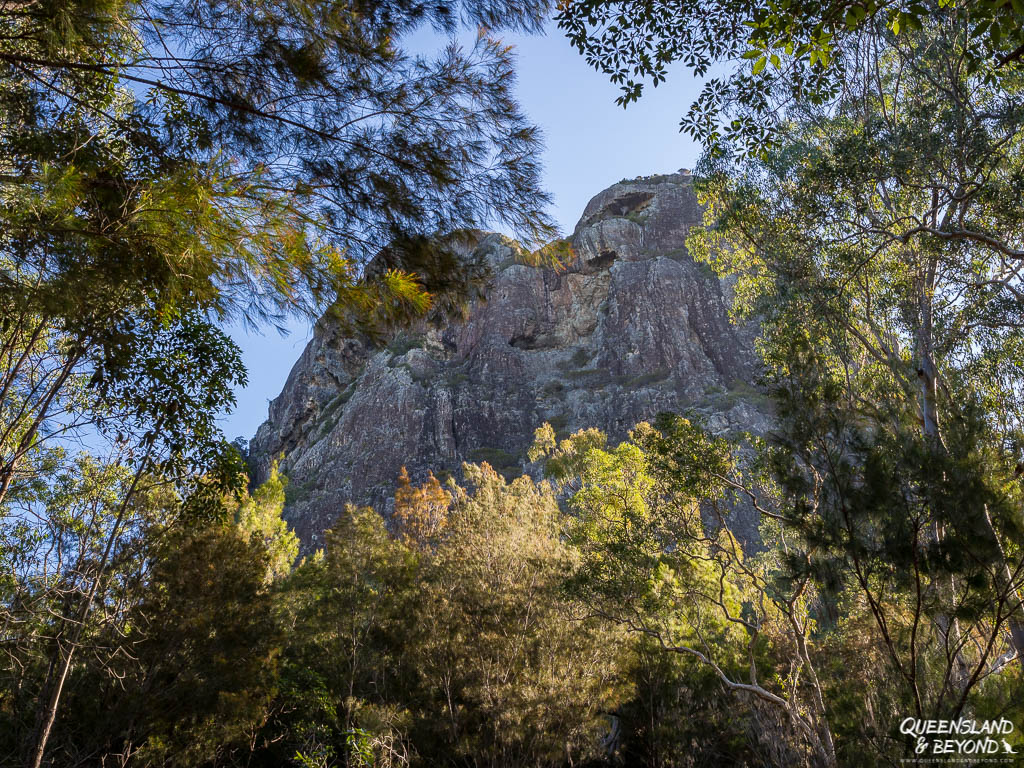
[(633, 327)]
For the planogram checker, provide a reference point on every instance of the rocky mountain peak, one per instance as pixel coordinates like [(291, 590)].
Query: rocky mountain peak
[(631, 327)]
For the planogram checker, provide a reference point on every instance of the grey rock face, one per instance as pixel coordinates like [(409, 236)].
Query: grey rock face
[(633, 327)]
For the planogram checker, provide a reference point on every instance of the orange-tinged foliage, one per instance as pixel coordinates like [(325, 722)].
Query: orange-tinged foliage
[(421, 512)]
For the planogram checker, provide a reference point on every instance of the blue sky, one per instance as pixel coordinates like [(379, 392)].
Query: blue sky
[(590, 143)]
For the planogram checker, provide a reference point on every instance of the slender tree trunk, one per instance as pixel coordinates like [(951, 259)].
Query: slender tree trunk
[(1015, 622), (928, 374), (27, 440), (47, 713), (927, 371)]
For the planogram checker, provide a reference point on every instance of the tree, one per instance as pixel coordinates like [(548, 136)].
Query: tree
[(176, 663), (346, 683), (421, 513), (878, 247), (258, 516), (445, 647), (650, 563), (251, 156), (51, 548), (204, 643), (517, 673), (775, 55), (155, 397), (675, 714), (168, 166)]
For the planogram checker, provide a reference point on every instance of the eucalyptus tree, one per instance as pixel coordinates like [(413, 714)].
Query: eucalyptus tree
[(652, 522), (879, 245), (75, 526)]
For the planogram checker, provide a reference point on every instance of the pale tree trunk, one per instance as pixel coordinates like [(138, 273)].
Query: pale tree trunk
[(927, 371), (928, 375)]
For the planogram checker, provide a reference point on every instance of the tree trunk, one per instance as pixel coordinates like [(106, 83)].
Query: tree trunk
[(47, 713)]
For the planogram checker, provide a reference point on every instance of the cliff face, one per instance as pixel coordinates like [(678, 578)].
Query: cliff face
[(632, 328)]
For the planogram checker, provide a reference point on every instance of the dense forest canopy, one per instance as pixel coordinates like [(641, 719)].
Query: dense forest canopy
[(167, 167)]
